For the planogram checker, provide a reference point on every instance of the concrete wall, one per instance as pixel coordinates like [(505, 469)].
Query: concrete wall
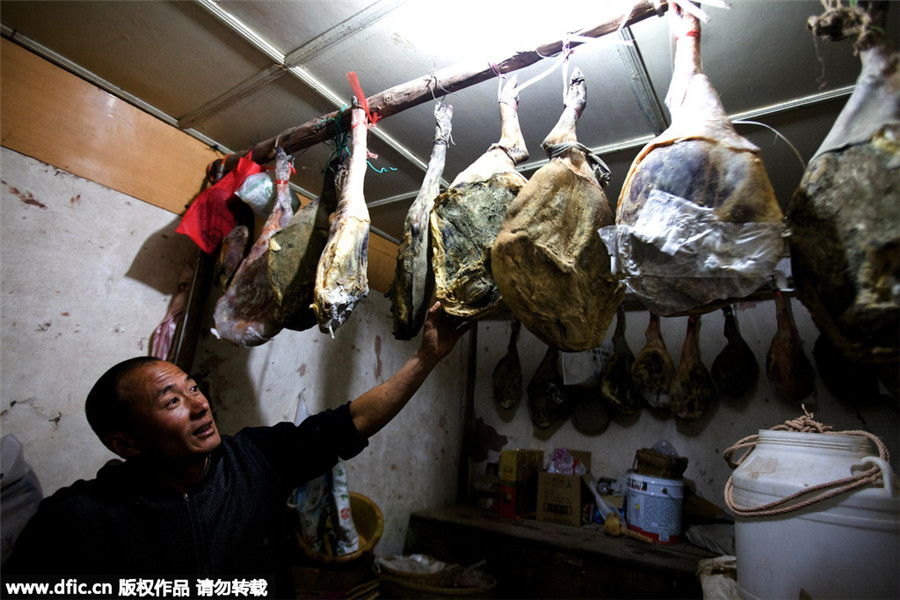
[(87, 274)]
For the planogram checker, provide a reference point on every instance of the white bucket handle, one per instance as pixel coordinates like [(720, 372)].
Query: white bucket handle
[(887, 474)]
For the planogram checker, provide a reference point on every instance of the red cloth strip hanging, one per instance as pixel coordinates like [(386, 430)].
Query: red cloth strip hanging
[(361, 97)]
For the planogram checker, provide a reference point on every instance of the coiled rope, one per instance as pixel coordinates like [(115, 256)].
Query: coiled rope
[(813, 494)]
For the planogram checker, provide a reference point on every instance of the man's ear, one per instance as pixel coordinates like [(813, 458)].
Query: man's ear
[(123, 444)]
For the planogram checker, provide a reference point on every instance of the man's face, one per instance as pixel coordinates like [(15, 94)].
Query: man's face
[(171, 416)]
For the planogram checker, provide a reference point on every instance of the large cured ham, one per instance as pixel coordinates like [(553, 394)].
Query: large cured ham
[(341, 277), (653, 368), (845, 214), (734, 370), (413, 286), (693, 392), (245, 314), (697, 219), (466, 218), (294, 255), (550, 265), (786, 364)]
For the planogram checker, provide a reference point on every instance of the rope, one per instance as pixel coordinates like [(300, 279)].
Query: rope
[(601, 171), (811, 495)]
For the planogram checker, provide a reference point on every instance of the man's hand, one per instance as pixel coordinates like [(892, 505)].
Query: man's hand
[(441, 332)]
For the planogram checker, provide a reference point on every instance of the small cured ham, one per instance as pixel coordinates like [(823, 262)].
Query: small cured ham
[(786, 364), (413, 286), (697, 218), (245, 314), (587, 409), (466, 218), (341, 276), (550, 265), (231, 255), (693, 392), (845, 214), (735, 370), (616, 385), (653, 367), (294, 255), (547, 398), (507, 375)]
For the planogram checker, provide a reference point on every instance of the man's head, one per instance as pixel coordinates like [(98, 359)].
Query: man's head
[(146, 406)]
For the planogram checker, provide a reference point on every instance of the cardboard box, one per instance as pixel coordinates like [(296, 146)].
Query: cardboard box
[(565, 499), (518, 482)]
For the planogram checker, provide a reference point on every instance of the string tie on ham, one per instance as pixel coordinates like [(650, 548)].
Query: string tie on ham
[(601, 170)]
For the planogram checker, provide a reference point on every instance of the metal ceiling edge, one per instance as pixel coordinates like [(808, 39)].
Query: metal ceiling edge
[(343, 30), (238, 92), (105, 85), (246, 32)]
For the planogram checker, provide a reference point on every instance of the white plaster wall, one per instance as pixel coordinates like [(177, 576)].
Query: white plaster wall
[(87, 275), (702, 441)]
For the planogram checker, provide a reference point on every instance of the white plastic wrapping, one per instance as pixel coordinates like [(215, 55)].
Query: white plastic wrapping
[(679, 256)]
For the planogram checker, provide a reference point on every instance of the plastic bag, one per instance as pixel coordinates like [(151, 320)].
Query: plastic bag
[(323, 508), (679, 255), (209, 218)]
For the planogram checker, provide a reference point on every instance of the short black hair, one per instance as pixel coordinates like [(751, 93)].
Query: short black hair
[(107, 412)]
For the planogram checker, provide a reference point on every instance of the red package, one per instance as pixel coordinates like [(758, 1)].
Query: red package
[(209, 218)]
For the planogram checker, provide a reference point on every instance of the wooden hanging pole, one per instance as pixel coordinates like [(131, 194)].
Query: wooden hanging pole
[(424, 89)]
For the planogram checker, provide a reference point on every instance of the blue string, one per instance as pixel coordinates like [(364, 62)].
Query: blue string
[(380, 170)]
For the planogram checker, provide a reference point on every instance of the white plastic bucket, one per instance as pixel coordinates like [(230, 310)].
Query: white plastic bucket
[(844, 547), (653, 507)]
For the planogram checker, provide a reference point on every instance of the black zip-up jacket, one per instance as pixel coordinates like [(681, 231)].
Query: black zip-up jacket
[(235, 524)]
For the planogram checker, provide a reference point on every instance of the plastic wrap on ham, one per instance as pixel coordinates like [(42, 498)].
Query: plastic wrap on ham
[(697, 219), (549, 264), (845, 214), (466, 218), (413, 286)]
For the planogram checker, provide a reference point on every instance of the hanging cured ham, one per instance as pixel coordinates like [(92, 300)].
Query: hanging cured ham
[(547, 398), (466, 218), (734, 370), (413, 286), (550, 265), (245, 314), (294, 255), (507, 375), (231, 255), (653, 368), (697, 219), (786, 364), (693, 392), (616, 385), (845, 214), (341, 277)]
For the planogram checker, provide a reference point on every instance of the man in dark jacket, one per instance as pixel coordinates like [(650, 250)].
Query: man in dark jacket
[(189, 508)]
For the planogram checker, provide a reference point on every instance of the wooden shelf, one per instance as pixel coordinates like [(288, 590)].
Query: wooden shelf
[(532, 559)]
